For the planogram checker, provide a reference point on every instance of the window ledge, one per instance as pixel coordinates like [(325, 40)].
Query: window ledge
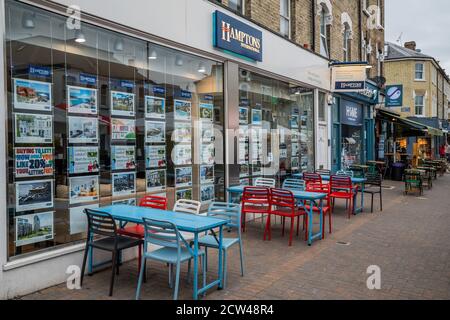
[(22, 262), (420, 80)]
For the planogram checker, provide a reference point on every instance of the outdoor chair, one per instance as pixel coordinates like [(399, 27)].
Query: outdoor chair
[(311, 178), (189, 207), (283, 204), (342, 188), (348, 173), (103, 225), (326, 209), (413, 182), (265, 182), (232, 213), (137, 230), (255, 200), (373, 186), (294, 184), (323, 172), (175, 250)]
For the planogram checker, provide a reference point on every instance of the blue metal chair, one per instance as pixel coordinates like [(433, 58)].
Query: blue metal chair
[(174, 251), (295, 184), (232, 213), (347, 173)]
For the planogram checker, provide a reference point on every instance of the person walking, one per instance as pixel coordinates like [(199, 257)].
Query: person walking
[(447, 152), (442, 150)]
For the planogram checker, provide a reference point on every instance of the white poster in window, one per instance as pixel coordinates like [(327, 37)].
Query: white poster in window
[(83, 130), (33, 128), (295, 149), (123, 158), (32, 95), (206, 174), (83, 160), (155, 107), (206, 111), (155, 132), (256, 117), (243, 116), (295, 163), (244, 170), (156, 180), (123, 183), (155, 156), (78, 219), (182, 132), (208, 154), (122, 104), (127, 202), (182, 155), (207, 132), (81, 100), (183, 177), (207, 194), (34, 228), (123, 129), (33, 162), (83, 189), (34, 195), (182, 109), (185, 194)]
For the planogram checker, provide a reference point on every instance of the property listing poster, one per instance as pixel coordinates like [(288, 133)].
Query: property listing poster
[(208, 153), (83, 130), (183, 132), (122, 104), (155, 107), (155, 132), (82, 100), (34, 195), (183, 177), (207, 132), (155, 156), (183, 194), (34, 228), (123, 157), (32, 95), (206, 174), (182, 155), (123, 129), (182, 110), (243, 116), (243, 145), (33, 128), (127, 202), (206, 112), (78, 219), (83, 160), (156, 180), (123, 183), (207, 193), (33, 162), (83, 189)]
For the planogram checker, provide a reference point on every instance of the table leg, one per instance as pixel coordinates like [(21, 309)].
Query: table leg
[(221, 272), (195, 295), (362, 196), (321, 218), (90, 258), (310, 222)]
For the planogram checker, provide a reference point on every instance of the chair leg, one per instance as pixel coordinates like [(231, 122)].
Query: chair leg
[(170, 276), (83, 267), (139, 257), (284, 223), (113, 273), (224, 269), (118, 263), (189, 271), (145, 269), (305, 221), (177, 282), (330, 221), (243, 221), (291, 231), (141, 276), (206, 258), (242, 257), (323, 225), (371, 205), (350, 209), (204, 272), (268, 228), (298, 225)]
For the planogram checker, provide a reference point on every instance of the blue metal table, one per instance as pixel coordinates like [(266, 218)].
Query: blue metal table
[(358, 181), (185, 222), (303, 197)]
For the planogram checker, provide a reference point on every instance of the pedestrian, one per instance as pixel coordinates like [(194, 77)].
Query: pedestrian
[(442, 150), (447, 152)]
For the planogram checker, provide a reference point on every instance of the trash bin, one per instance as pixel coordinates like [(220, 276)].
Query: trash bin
[(398, 169)]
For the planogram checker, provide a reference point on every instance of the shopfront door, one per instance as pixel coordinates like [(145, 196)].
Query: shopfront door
[(336, 148)]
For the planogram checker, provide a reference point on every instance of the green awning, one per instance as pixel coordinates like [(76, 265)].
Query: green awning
[(410, 124)]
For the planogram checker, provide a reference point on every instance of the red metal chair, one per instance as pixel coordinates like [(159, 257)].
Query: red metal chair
[(283, 204), (309, 177), (255, 200), (342, 188), (138, 231), (326, 209)]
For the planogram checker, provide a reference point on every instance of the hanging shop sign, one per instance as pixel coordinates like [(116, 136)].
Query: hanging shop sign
[(348, 77), (351, 113), (394, 95), (236, 37)]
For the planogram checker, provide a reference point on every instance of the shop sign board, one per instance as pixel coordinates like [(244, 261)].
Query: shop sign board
[(394, 95), (348, 78), (236, 37), (351, 113)]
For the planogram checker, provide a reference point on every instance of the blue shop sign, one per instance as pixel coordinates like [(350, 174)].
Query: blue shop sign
[(351, 113), (38, 71), (369, 95), (186, 94), (88, 79), (394, 95), (236, 37), (159, 90), (127, 84)]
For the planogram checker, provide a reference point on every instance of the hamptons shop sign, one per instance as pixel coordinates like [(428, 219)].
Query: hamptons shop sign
[(236, 37)]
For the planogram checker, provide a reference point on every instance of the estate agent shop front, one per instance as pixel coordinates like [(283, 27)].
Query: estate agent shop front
[(112, 109)]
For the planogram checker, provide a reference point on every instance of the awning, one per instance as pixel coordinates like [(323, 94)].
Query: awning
[(407, 123)]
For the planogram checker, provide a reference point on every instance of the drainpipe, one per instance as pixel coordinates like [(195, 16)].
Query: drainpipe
[(360, 29), (313, 21)]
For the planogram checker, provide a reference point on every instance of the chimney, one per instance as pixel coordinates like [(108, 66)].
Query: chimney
[(410, 45)]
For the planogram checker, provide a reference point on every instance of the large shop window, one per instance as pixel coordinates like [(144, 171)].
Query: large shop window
[(98, 118), (276, 136)]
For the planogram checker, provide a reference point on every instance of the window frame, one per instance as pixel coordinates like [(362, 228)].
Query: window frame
[(325, 34), (422, 71), (422, 106), (286, 19)]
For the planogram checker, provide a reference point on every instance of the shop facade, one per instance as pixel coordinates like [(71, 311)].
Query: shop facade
[(353, 127), (109, 110)]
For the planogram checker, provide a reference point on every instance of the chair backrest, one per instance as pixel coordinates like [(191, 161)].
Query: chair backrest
[(347, 173), (226, 211), (256, 195), (295, 184), (340, 182), (324, 172), (374, 179), (187, 206), (309, 177), (154, 202), (100, 223), (282, 198), (265, 182), (161, 233), (320, 188)]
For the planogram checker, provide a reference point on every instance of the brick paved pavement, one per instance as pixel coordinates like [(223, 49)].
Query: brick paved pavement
[(409, 241)]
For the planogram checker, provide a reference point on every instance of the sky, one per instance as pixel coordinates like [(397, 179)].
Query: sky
[(425, 21)]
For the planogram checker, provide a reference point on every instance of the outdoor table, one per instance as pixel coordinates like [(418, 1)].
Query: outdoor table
[(430, 172), (184, 222), (303, 196), (358, 181)]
